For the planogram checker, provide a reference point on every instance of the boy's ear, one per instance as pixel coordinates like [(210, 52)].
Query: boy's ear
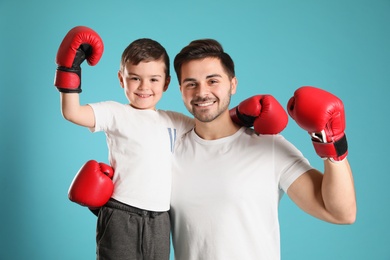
[(120, 77), (167, 81)]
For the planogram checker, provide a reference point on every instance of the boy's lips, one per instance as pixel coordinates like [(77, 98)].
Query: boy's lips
[(143, 95)]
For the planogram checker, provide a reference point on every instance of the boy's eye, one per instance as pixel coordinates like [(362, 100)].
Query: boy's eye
[(134, 78), (154, 80)]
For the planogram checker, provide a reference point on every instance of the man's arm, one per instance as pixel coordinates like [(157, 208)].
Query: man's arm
[(329, 196)]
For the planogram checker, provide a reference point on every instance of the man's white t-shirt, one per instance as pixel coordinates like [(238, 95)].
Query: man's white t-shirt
[(226, 192), (140, 145)]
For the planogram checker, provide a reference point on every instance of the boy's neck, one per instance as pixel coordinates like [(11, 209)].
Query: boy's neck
[(153, 109)]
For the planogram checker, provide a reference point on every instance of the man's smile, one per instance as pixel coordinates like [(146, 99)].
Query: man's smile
[(203, 103)]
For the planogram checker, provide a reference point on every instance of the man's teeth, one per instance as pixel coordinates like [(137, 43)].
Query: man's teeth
[(205, 104)]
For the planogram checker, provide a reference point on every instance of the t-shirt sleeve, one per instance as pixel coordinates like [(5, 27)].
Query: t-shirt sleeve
[(181, 122), (103, 115), (290, 162)]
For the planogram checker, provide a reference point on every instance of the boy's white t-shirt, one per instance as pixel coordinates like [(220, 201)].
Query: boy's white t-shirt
[(140, 145), (226, 192)]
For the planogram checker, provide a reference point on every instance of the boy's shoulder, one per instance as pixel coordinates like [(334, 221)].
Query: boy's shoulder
[(177, 118), (107, 103), (172, 114)]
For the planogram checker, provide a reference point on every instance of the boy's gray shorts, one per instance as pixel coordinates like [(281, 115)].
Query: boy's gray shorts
[(125, 232)]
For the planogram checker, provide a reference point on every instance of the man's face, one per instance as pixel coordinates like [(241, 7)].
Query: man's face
[(206, 88)]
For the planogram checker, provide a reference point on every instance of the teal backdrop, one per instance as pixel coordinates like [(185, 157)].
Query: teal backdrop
[(277, 46)]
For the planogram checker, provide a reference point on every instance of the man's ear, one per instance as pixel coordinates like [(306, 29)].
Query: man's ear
[(167, 81), (233, 85), (120, 77)]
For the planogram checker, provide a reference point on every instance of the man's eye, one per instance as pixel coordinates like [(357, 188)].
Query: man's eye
[(190, 85)]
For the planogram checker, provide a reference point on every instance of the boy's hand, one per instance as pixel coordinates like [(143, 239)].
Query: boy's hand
[(92, 186), (79, 44)]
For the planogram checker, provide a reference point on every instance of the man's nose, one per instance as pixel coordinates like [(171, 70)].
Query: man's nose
[(202, 90)]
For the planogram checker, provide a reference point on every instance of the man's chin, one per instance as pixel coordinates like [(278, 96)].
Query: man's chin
[(204, 117)]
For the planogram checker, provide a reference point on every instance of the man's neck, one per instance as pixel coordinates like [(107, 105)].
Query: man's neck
[(220, 127)]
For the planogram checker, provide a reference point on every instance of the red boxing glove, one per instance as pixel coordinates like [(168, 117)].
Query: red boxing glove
[(264, 112), (79, 44), (322, 115), (92, 186)]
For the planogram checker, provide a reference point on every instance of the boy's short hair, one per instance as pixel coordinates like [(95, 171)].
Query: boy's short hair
[(145, 49), (200, 49)]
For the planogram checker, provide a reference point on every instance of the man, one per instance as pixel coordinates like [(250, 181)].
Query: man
[(227, 180)]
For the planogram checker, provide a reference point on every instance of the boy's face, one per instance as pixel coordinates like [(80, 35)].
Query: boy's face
[(206, 88), (144, 83)]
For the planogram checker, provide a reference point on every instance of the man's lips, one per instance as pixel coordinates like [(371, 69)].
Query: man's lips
[(203, 103)]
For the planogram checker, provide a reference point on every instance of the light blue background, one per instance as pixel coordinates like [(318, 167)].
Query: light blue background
[(278, 46)]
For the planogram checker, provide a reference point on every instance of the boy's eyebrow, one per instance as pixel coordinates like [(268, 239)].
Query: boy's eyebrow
[(135, 74)]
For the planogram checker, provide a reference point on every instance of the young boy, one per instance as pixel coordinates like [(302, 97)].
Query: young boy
[(134, 223)]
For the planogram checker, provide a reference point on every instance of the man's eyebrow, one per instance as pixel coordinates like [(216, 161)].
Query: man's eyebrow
[(207, 77), (188, 80), (213, 76)]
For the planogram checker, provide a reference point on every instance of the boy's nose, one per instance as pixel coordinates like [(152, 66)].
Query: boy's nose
[(143, 85)]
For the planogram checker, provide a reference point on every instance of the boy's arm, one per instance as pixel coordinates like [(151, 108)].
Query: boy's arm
[(81, 43), (72, 111)]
